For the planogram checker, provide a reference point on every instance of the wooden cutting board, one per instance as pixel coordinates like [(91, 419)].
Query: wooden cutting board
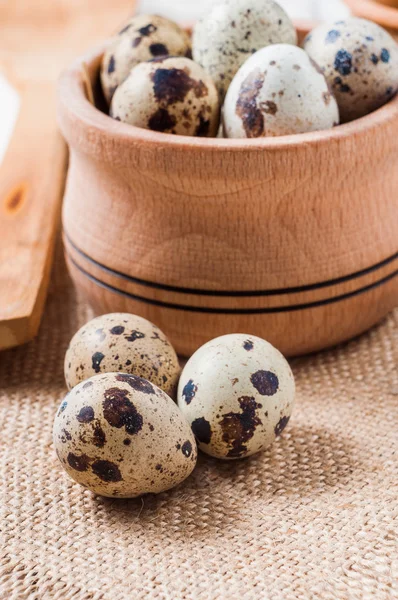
[(38, 39)]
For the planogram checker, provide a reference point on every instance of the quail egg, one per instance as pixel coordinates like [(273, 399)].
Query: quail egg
[(121, 436), (237, 392), (235, 29), (171, 95), (278, 91), (122, 342), (144, 37), (360, 62)]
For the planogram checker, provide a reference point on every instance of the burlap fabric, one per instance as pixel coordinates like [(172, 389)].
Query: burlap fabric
[(314, 517)]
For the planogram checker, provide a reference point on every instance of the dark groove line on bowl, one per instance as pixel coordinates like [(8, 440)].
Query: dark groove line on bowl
[(234, 294), (235, 311)]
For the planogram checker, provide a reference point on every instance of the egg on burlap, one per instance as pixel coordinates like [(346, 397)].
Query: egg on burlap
[(122, 342), (121, 436), (237, 392)]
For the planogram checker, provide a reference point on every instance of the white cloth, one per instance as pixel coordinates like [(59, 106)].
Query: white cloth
[(9, 102)]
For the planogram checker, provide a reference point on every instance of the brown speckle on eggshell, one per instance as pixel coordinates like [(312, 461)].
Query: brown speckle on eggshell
[(244, 395), (118, 434), (173, 95), (360, 62), (127, 343), (143, 38), (233, 30), (278, 91)]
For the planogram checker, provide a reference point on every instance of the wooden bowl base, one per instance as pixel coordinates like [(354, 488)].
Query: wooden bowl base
[(296, 322)]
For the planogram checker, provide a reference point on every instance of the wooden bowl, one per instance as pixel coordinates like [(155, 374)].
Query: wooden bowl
[(293, 239), (383, 12)]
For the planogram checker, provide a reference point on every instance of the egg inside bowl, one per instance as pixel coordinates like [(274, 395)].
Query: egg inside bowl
[(289, 238)]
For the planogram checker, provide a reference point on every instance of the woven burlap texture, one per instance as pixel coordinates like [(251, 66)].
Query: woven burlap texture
[(314, 517)]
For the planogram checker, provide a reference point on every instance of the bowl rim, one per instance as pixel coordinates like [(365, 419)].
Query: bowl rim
[(74, 104)]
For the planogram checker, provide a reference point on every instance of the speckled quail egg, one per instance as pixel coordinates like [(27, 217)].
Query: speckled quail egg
[(278, 91), (121, 436), (122, 342), (172, 95), (235, 29), (237, 392), (360, 62), (143, 38)]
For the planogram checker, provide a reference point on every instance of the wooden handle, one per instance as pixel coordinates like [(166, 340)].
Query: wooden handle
[(31, 183), (35, 43), (393, 3)]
